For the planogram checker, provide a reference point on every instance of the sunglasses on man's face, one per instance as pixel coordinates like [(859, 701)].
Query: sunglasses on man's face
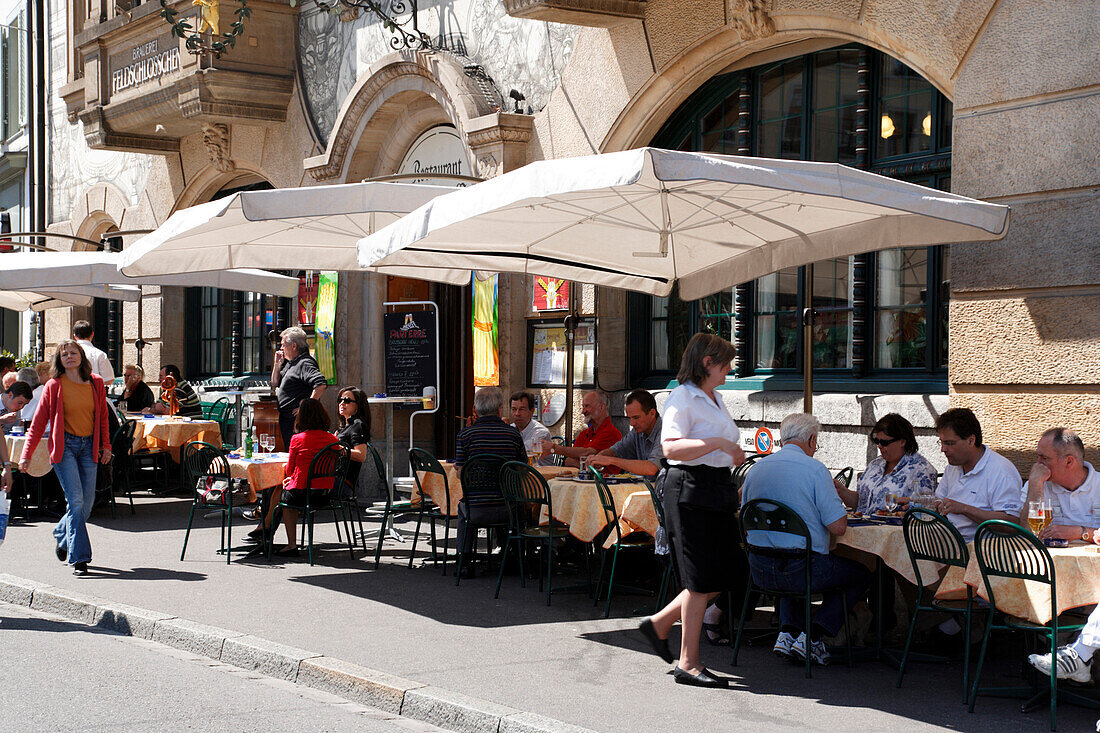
[(346, 401), (883, 442)]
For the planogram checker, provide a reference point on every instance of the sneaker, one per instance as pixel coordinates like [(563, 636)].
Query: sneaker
[(1070, 666), (818, 653), (80, 569), (784, 643)]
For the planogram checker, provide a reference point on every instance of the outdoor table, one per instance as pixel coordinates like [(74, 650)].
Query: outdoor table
[(1076, 568), (877, 541), (638, 515), (261, 472), (40, 460), (433, 484), (578, 504), (173, 432)]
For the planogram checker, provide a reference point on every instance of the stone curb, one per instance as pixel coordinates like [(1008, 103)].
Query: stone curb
[(389, 693)]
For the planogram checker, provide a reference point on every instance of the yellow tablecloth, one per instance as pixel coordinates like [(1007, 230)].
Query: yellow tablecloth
[(886, 542), (638, 515), (260, 474), (578, 505), (165, 433), (432, 484), (1076, 569), (40, 459)]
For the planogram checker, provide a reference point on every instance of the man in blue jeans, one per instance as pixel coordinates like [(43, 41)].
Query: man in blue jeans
[(792, 476)]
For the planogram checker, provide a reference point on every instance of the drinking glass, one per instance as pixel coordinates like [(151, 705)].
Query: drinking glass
[(1035, 518), (269, 442), (1048, 513), (891, 502)]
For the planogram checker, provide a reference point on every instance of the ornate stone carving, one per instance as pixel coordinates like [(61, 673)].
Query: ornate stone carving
[(349, 15), (596, 13), (487, 166), (750, 19), (216, 139)]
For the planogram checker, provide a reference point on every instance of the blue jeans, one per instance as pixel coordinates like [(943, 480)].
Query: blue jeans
[(830, 575), (77, 474)]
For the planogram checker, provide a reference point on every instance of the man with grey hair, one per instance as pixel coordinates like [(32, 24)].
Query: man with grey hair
[(777, 561), (296, 376), (1062, 476), (600, 434), (489, 435)]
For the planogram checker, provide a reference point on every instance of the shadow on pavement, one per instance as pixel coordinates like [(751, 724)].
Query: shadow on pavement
[(21, 623), (99, 571)]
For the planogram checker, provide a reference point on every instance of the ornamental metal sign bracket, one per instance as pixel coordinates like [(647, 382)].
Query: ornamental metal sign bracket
[(207, 38)]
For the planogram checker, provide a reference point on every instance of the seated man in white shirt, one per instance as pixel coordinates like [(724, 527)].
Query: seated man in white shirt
[(523, 420), (1062, 477), (978, 484), (1074, 661)]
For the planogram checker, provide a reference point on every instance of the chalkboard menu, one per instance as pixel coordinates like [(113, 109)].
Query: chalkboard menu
[(410, 353)]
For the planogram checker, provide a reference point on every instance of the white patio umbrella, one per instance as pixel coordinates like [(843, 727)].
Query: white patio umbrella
[(646, 219), (310, 228), (21, 300), (38, 270)]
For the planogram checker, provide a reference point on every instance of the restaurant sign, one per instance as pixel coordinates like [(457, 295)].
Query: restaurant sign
[(144, 62), (440, 150)]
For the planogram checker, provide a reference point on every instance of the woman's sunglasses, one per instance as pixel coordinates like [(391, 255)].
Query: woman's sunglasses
[(347, 400), (883, 442)]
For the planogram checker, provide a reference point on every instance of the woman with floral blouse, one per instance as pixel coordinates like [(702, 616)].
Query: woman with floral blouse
[(899, 469)]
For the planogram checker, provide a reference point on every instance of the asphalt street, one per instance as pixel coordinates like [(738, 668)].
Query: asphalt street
[(564, 661), (60, 675)]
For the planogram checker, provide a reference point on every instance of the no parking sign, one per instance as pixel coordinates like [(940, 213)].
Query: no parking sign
[(763, 440)]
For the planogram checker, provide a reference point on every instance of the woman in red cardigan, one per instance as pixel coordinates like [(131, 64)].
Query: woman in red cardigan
[(311, 435), (74, 403)]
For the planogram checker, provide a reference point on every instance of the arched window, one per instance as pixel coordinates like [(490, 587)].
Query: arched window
[(882, 316)]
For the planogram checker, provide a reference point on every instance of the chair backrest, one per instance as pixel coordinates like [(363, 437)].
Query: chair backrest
[(331, 462), (844, 476), (421, 460), (607, 503), (480, 478), (218, 409), (1007, 550), (122, 442), (204, 459), (525, 492), (658, 505), (380, 467), (738, 476), (929, 536), (768, 515)]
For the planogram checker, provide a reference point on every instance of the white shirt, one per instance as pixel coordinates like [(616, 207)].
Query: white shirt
[(28, 411), (993, 485), (101, 365), (1073, 508), (691, 413), (533, 434)]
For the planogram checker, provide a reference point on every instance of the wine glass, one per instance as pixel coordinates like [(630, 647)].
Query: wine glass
[(270, 442), (891, 502), (266, 442)]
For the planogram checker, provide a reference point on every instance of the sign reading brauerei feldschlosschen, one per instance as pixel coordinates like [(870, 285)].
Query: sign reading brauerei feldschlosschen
[(145, 62), (410, 353)]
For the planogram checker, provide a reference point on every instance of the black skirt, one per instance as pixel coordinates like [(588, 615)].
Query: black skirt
[(701, 520)]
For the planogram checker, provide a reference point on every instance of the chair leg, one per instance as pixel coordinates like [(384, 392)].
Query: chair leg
[(223, 531), (981, 661), (309, 528), (187, 534), (503, 559), (599, 578), (847, 627), (446, 539), (228, 532), (549, 568), (129, 489), (416, 534), (611, 582), (740, 621), (348, 526), (909, 641), (381, 536), (806, 630), (966, 649), (1054, 676)]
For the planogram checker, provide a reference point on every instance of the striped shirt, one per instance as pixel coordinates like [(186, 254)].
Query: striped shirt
[(489, 435)]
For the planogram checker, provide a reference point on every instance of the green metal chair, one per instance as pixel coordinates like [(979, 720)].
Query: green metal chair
[(223, 412), (930, 537), (422, 461), (631, 543), (122, 444), (330, 465), (844, 476), (392, 508), (202, 461), (481, 486), (525, 495), (766, 515), (1007, 550), (738, 477), (667, 567)]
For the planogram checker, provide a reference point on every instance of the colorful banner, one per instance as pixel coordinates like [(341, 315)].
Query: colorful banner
[(551, 294), (326, 323), (486, 360), (307, 298)]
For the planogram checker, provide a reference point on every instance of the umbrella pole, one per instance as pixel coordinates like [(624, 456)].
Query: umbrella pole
[(808, 343), (570, 326)]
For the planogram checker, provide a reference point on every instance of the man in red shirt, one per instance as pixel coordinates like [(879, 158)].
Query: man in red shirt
[(600, 434)]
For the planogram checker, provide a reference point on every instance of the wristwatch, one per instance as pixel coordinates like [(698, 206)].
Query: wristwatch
[(1086, 535)]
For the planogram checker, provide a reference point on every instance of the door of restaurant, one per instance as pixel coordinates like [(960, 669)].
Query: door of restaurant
[(456, 361)]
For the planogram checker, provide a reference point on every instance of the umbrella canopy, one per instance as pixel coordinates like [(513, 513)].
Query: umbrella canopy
[(21, 300), (128, 293), (314, 228), (37, 270), (645, 219)]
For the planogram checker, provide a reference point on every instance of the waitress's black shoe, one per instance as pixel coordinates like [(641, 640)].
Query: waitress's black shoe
[(660, 646), (703, 679)]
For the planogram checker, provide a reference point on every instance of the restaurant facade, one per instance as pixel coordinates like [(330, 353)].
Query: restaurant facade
[(992, 99)]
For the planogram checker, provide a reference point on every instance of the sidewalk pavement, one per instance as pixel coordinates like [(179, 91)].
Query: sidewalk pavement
[(458, 649)]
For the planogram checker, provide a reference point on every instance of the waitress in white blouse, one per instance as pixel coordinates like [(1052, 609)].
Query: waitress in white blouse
[(700, 445)]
